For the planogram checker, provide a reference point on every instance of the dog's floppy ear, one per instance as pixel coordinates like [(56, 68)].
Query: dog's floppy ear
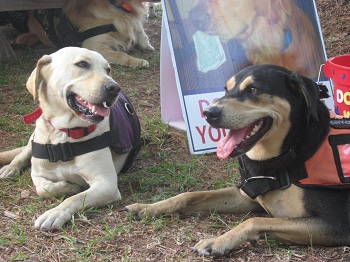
[(275, 10), (309, 89), (33, 82)]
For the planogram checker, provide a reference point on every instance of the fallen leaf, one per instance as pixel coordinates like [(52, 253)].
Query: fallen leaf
[(25, 193), (10, 214)]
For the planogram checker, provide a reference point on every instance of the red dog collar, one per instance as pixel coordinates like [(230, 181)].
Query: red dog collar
[(32, 117), (126, 7), (77, 132)]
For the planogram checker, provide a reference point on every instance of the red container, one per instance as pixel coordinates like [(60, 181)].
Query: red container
[(338, 69)]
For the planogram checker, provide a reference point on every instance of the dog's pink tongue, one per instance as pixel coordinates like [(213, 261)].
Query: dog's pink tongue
[(95, 108), (100, 110), (229, 142)]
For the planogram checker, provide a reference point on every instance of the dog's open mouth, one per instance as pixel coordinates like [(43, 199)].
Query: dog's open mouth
[(91, 111), (240, 141)]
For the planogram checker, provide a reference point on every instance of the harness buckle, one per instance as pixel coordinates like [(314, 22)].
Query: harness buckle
[(285, 183), (129, 109), (260, 177), (60, 151)]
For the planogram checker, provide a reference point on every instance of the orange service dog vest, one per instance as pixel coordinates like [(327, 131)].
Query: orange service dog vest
[(322, 168)]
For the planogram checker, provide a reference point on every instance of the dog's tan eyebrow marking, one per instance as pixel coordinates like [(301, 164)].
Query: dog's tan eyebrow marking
[(230, 84), (246, 82)]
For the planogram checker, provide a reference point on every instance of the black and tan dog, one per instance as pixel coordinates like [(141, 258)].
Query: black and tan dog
[(277, 123)]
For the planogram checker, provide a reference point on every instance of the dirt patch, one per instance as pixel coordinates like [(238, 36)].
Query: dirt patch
[(335, 23)]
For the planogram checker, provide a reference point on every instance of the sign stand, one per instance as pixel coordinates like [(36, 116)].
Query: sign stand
[(171, 112)]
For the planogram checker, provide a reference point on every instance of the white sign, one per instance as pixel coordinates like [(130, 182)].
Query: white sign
[(204, 43)]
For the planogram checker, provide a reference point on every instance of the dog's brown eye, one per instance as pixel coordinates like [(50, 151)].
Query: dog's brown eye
[(254, 91), (83, 64)]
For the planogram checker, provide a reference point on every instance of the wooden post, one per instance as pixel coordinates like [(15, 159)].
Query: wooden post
[(11, 5), (6, 52)]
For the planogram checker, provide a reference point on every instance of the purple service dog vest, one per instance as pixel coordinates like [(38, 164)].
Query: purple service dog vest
[(124, 120)]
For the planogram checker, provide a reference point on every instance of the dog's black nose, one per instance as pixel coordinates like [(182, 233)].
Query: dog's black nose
[(212, 114), (112, 88), (200, 17)]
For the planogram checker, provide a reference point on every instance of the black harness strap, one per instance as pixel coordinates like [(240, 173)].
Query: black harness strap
[(67, 151), (103, 29), (98, 30), (276, 173), (282, 161)]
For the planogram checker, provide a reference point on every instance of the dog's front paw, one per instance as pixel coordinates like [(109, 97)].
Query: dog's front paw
[(52, 219), (212, 247), (151, 48), (140, 210), (144, 63), (9, 171), (135, 62)]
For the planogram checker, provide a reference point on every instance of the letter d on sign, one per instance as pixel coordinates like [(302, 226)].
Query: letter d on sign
[(340, 96), (201, 108)]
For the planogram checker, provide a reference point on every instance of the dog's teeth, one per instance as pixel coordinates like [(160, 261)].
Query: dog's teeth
[(80, 99), (256, 129), (105, 104), (251, 134), (93, 109)]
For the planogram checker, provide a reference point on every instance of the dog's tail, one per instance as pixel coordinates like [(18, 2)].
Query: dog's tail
[(7, 156)]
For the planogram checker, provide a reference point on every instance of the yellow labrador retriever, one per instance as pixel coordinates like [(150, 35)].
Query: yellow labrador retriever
[(112, 28), (72, 141)]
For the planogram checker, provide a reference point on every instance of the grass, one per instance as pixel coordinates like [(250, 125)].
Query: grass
[(163, 168), (165, 173)]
